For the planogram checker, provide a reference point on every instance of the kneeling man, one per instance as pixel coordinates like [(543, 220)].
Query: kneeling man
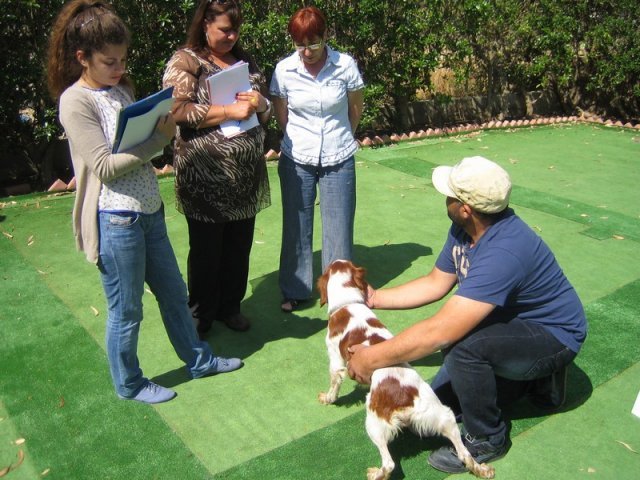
[(511, 328)]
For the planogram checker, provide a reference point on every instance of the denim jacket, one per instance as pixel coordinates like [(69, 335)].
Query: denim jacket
[(318, 131)]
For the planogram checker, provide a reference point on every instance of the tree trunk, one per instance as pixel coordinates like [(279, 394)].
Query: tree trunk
[(401, 119)]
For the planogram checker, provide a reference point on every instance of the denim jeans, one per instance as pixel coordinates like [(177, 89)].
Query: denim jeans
[(298, 183), (135, 248), (492, 367)]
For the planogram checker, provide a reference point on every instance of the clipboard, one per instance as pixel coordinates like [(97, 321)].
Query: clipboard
[(137, 121), (223, 87)]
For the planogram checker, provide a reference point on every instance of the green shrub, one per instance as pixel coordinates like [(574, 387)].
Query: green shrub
[(588, 51)]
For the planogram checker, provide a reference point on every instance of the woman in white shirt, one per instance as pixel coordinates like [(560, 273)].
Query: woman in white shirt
[(317, 96)]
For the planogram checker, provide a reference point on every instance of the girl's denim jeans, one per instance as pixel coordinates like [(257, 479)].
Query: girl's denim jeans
[(134, 249)]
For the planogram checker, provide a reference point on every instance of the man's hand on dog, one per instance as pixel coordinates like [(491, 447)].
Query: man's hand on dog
[(358, 365), (371, 293)]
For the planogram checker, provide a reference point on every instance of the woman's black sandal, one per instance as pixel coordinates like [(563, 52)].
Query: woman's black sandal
[(288, 305)]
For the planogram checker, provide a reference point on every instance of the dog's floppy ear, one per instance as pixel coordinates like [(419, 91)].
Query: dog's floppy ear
[(359, 274), (323, 280)]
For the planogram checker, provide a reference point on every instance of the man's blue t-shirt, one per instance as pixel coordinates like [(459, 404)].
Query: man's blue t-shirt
[(512, 268)]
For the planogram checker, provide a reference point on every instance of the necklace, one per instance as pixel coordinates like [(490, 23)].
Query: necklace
[(222, 61), (87, 84)]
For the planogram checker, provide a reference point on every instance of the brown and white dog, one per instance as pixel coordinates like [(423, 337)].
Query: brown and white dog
[(398, 397)]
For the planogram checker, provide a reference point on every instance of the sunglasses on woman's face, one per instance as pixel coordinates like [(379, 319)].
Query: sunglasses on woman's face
[(220, 2), (313, 47)]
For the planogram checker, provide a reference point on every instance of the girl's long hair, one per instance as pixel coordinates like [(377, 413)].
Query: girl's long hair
[(81, 25)]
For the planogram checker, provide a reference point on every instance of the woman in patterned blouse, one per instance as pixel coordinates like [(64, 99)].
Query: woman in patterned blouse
[(221, 183)]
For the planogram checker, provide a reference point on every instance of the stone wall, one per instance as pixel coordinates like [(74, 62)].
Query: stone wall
[(477, 109), (426, 118)]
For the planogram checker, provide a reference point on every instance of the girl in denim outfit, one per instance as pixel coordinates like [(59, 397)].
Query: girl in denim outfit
[(118, 216), (317, 99)]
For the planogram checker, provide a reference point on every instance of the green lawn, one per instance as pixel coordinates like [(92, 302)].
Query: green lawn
[(576, 184)]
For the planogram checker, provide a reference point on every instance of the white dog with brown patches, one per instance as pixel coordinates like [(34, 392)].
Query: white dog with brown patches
[(398, 397)]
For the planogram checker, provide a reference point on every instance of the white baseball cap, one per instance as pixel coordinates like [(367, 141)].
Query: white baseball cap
[(476, 181)]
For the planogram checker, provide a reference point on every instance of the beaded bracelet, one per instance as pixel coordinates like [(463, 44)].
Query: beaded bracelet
[(268, 106)]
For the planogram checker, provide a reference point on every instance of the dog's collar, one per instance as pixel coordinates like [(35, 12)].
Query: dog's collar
[(335, 308)]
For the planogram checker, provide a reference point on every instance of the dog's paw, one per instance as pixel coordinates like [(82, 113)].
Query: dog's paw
[(485, 471), (375, 473), (325, 399)]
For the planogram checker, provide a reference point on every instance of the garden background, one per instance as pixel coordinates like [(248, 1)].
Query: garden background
[(583, 55)]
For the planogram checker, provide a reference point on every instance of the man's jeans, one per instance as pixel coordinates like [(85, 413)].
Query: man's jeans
[(135, 248), (492, 366), (337, 208)]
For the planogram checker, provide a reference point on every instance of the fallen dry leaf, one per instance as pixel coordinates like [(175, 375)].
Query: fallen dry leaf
[(20, 460), (627, 446), (45, 472), (94, 310), (30, 241), (41, 272), (13, 466), (61, 402), (8, 235), (618, 237), (19, 441)]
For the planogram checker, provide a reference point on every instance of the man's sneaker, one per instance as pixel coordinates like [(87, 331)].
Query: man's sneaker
[(152, 393), (481, 449), (550, 393), (223, 365)]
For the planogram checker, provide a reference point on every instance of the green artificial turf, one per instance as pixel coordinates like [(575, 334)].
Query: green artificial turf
[(58, 395), (598, 439), (613, 317), (576, 185)]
